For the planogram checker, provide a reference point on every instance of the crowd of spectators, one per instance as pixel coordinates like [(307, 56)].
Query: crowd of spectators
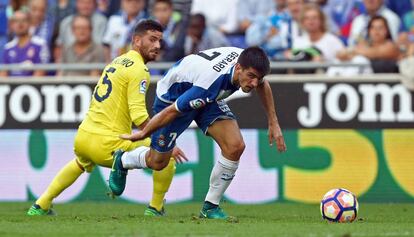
[(379, 32)]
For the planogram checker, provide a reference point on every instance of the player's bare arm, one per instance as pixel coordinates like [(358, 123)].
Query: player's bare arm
[(275, 132), (159, 120)]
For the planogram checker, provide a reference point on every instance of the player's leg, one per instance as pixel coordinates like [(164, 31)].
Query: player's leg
[(161, 183), (225, 131), (65, 177), (158, 156), (161, 178)]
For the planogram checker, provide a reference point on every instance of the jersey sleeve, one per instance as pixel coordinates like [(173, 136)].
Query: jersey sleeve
[(137, 88), (192, 99)]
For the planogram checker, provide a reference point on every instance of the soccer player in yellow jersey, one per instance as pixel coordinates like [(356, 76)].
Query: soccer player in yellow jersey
[(117, 101)]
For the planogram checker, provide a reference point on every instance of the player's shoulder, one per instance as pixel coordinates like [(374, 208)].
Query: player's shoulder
[(225, 49), (212, 56), (131, 64)]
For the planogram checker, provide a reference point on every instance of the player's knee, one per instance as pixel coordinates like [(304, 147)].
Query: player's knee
[(158, 165), (234, 150)]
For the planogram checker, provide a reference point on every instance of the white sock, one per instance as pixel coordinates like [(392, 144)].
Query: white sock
[(220, 178), (135, 159)]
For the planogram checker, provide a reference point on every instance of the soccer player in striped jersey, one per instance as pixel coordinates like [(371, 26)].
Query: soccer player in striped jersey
[(194, 89)]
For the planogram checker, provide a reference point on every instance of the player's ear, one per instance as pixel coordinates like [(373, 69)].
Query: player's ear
[(136, 39), (238, 67)]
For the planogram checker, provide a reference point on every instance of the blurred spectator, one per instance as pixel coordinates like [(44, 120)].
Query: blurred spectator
[(201, 37), (343, 13), (400, 7), (41, 24), (379, 49), (83, 8), (404, 42), (60, 10), (102, 6), (3, 26), (108, 7), (24, 48), (181, 6), (316, 35), (15, 5), (119, 29), (220, 14), (84, 49), (174, 30), (277, 32), (373, 8), (248, 10), (330, 24)]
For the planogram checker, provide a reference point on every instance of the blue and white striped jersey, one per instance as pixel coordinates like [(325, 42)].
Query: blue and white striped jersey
[(201, 78)]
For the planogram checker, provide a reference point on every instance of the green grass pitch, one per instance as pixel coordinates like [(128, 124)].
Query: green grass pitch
[(123, 219)]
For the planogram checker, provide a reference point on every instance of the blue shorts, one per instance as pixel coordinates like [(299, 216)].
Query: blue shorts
[(163, 140)]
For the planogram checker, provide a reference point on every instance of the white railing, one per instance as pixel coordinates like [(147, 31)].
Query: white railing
[(167, 65), (271, 78)]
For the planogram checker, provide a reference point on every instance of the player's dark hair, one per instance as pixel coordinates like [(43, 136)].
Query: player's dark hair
[(144, 25), (256, 58)]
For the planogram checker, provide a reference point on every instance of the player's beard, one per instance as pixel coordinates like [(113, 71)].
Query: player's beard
[(150, 55)]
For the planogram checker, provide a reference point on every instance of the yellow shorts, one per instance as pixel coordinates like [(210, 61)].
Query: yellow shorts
[(93, 149)]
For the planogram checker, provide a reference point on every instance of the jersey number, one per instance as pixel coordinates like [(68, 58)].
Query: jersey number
[(173, 135), (107, 82), (208, 57)]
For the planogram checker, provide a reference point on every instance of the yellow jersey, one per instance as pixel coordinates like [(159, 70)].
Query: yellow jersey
[(119, 97)]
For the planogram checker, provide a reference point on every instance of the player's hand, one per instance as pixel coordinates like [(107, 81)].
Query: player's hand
[(133, 137), (179, 155), (275, 134)]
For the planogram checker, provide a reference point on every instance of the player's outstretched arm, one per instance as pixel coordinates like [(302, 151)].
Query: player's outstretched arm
[(159, 120), (275, 132)]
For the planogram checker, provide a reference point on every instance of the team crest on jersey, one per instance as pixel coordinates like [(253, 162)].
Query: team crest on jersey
[(161, 141), (197, 103), (143, 87)]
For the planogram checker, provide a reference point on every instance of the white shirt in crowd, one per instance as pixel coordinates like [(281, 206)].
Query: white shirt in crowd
[(117, 32), (218, 13), (329, 45)]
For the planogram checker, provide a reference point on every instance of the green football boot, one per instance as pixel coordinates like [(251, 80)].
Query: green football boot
[(150, 211), (117, 177), (211, 211), (36, 210)]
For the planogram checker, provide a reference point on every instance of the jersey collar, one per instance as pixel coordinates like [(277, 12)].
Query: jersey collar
[(232, 69), (136, 55)]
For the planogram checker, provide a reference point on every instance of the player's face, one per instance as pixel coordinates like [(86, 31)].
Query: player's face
[(249, 79), (149, 44)]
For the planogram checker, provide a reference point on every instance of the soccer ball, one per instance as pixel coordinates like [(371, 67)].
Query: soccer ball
[(339, 205)]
